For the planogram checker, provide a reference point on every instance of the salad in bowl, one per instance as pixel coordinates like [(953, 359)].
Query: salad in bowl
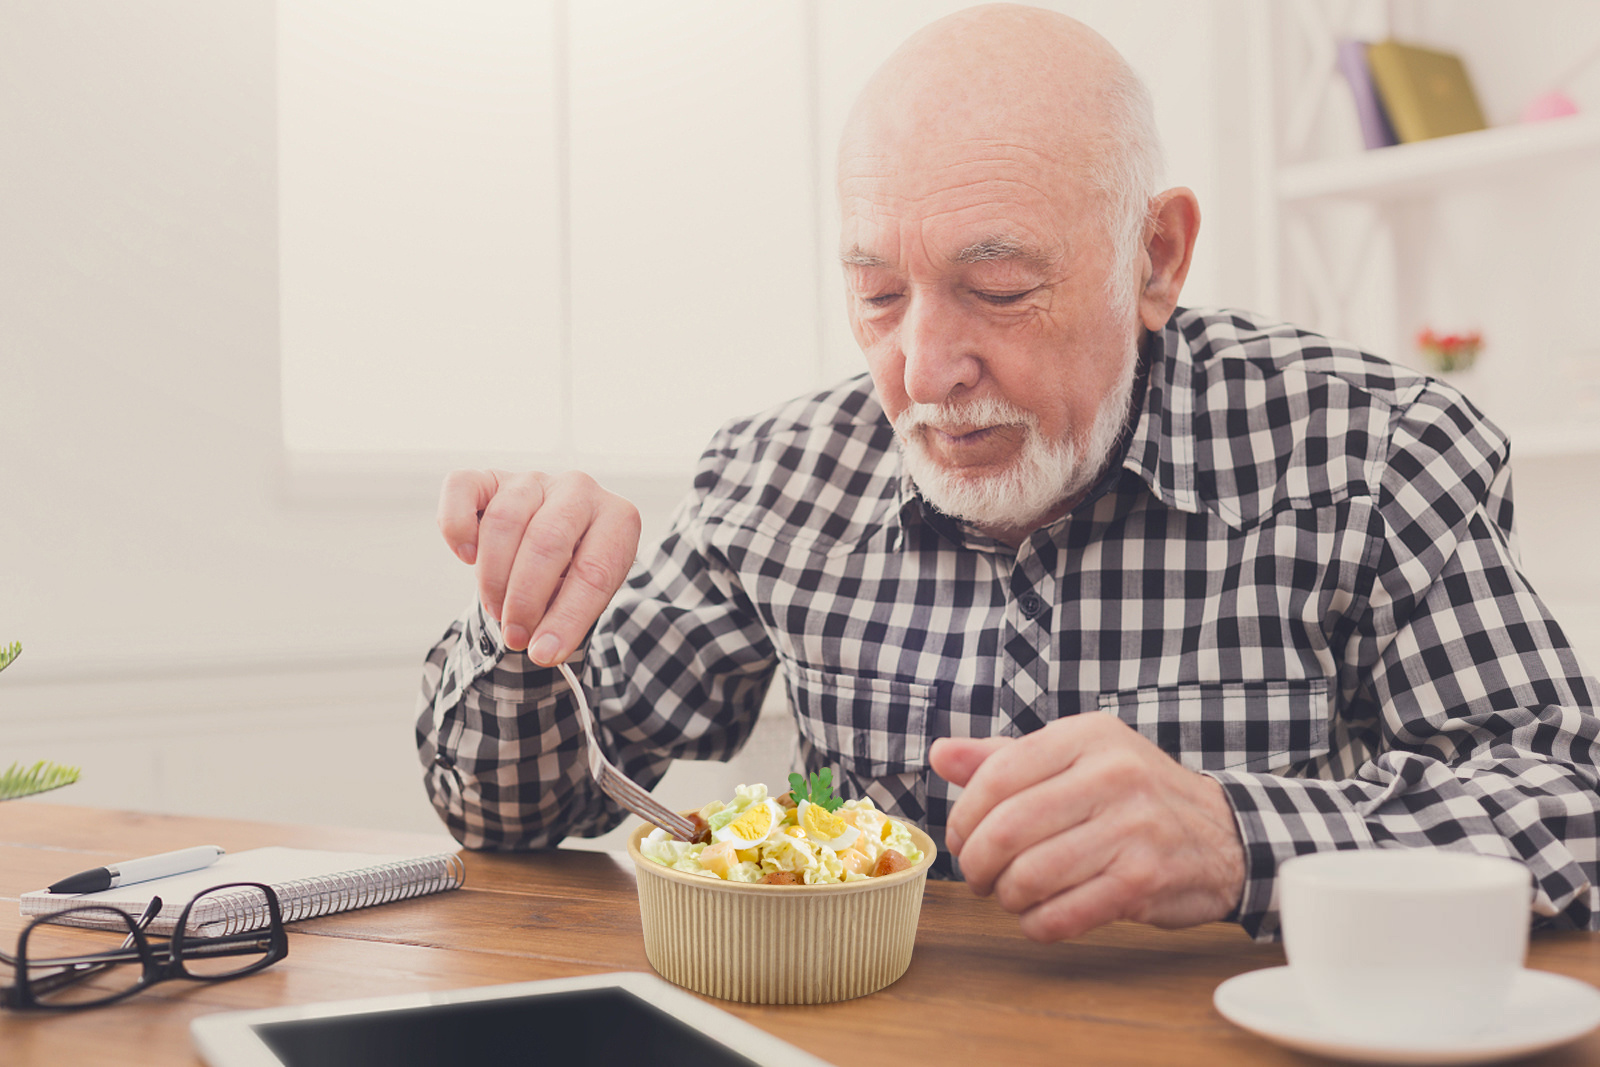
[(803, 898), (808, 836)]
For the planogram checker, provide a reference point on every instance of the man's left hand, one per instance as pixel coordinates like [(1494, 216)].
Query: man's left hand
[(1085, 822)]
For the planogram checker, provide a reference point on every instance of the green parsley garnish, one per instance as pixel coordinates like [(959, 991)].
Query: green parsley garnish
[(819, 791)]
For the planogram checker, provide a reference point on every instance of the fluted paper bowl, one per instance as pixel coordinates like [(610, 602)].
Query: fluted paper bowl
[(779, 944)]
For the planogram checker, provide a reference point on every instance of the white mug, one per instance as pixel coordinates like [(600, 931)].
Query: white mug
[(1403, 944)]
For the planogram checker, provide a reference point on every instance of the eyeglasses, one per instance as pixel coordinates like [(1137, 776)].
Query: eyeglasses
[(62, 963)]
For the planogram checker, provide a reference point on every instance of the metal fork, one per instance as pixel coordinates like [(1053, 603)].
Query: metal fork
[(614, 783)]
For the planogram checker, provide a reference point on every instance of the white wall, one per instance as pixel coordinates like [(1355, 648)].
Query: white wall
[(146, 542), (413, 232), (209, 628)]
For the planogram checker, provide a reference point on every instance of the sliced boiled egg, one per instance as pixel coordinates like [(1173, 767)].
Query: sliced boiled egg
[(753, 826), (824, 828)]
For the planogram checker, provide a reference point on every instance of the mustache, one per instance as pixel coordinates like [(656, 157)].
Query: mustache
[(963, 415)]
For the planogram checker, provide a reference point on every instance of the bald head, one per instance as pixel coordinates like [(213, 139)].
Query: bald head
[(1023, 80), (997, 71)]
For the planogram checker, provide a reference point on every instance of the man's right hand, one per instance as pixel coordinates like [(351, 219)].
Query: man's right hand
[(550, 551)]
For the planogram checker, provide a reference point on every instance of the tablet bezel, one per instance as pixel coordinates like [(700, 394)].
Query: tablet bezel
[(229, 1039)]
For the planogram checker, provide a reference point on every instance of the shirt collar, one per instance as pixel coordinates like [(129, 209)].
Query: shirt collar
[(1161, 451)]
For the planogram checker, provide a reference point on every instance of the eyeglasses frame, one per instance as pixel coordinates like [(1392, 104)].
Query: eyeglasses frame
[(160, 962)]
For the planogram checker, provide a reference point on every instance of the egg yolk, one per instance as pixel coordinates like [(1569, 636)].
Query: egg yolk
[(822, 824), (751, 827)]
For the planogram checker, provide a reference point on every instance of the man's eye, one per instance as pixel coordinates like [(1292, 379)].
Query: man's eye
[(1001, 299), (882, 300)]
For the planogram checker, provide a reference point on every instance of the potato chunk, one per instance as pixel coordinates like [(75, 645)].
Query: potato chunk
[(890, 862)]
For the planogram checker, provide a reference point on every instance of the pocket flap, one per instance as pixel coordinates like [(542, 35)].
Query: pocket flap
[(1215, 726), (876, 725)]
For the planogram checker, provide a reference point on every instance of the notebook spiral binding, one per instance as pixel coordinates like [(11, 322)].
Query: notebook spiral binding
[(239, 910)]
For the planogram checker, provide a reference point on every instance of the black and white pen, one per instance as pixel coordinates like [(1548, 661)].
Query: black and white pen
[(140, 870)]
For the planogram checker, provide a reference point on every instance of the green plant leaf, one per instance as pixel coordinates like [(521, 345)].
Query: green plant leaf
[(819, 790), (20, 781)]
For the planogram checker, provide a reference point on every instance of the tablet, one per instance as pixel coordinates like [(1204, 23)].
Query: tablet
[(628, 1018)]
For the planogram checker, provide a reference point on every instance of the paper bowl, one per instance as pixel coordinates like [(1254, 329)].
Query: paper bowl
[(779, 944)]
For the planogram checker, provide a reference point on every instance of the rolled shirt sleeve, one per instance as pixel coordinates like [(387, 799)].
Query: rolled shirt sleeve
[(677, 668)]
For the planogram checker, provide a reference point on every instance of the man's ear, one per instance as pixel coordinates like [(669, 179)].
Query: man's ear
[(1169, 245)]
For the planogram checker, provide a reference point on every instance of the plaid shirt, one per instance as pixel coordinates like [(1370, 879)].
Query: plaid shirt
[(1301, 581)]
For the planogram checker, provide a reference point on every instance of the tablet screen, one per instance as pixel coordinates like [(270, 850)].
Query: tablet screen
[(590, 1026)]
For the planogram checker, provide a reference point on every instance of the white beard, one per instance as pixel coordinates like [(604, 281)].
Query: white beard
[(1044, 475)]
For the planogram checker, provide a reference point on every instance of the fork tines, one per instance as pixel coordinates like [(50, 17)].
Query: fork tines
[(627, 793), (614, 783)]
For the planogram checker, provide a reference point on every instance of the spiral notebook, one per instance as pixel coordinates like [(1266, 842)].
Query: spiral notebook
[(308, 882)]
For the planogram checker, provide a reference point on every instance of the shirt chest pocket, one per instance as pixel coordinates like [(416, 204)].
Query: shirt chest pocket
[(874, 726), (1239, 726)]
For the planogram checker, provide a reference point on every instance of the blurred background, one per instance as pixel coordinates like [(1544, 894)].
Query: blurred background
[(269, 269)]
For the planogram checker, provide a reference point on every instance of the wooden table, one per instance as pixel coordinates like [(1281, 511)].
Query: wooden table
[(977, 992)]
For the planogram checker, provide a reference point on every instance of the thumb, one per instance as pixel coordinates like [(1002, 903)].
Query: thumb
[(956, 759)]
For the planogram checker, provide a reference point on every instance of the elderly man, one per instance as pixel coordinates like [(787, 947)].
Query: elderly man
[(1280, 567)]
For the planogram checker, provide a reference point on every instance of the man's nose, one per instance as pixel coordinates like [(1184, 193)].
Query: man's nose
[(939, 350)]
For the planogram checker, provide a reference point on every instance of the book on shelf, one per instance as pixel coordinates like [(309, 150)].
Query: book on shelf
[(1426, 93), (308, 882), (1376, 130)]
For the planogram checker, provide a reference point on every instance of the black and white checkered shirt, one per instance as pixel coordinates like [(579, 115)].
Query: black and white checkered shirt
[(1301, 581)]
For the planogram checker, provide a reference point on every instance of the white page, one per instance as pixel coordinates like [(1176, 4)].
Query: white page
[(274, 865)]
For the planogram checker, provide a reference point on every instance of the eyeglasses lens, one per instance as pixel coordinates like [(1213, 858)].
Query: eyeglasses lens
[(57, 973), (209, 950)]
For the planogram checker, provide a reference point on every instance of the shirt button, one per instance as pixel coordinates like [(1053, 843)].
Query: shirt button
[(1031, 604), (485, 645)]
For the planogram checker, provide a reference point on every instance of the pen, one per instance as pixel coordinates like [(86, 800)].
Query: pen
[(141, 870)]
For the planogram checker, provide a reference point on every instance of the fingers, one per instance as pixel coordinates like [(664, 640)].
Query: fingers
[(501, 531), (574, 555), (1061, 874), (955, 758), (1017, 829), (597, 571), (1012, 768), (549, 552), (1085, 822), (463, 497), (1075, 913)]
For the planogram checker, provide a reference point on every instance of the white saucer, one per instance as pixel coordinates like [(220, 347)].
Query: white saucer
[(1546, 1010)]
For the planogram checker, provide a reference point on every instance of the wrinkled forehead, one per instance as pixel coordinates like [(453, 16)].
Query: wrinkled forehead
[(964, 201)]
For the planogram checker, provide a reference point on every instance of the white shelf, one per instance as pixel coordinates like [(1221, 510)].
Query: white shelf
[(1412, 169)]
